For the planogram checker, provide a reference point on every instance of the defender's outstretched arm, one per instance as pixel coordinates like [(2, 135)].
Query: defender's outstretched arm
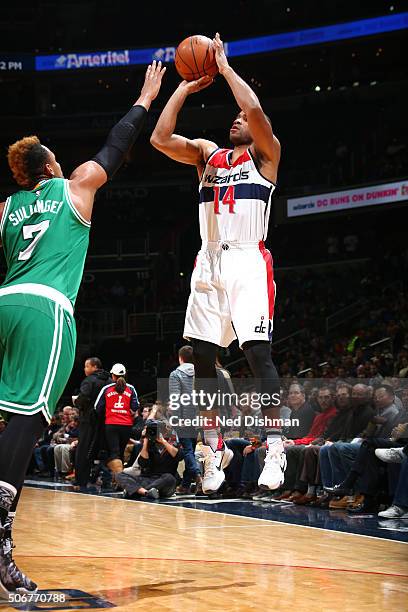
[(90, 176)]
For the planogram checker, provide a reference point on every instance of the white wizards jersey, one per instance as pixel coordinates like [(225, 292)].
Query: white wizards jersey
[(235, 199)]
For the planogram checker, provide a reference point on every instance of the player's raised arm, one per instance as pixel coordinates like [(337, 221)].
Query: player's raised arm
[(90, 176), (266, 144), (179, 148)]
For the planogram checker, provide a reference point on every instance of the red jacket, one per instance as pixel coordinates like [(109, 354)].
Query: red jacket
[(118, 407), (319, 425)]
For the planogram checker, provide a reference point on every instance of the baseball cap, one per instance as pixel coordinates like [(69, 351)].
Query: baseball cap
[(118, 369)]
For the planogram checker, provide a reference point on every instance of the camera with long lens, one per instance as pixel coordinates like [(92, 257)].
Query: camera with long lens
[(154, 429)]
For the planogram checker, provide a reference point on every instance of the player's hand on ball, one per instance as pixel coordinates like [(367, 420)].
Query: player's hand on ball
[(193, 86), (153, 79), (220, 56)]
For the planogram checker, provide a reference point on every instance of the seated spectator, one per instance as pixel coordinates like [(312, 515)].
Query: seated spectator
[(245, 468), (330, 457), (139, 422), (158, 411), (294, 488), (43, 444), (352, 417), (300, 410), (403, 372), (158, 461), (344, 455), (59, 437), (63, 450), (364, 474), (386, 415)]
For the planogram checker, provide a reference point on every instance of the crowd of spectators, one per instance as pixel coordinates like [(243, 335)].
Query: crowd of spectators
[(345, 436), (334, 452), (55, 451)]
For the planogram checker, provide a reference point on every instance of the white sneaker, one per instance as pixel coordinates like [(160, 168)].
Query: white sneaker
[(214, 464), (390, 455), (273, 473), (394, 512)]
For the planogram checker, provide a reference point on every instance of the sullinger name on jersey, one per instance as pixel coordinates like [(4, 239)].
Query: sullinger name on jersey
[(242, 175), (41, 206)]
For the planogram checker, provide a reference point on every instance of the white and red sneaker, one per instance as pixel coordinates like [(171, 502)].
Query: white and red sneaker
[(214, 464), (273, 473)]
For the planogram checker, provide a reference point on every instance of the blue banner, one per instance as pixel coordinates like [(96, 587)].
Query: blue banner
[(314, 36), (248, 46)]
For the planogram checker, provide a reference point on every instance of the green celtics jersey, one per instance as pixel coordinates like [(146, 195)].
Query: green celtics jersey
[(45, 239)]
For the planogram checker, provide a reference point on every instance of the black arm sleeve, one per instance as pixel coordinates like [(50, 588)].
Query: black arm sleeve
[(120, 140)]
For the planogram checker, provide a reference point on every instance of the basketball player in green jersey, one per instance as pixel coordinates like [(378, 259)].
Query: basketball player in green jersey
[(45, 234)]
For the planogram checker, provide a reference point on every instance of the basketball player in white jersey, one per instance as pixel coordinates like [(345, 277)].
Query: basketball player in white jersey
[(232, 287)]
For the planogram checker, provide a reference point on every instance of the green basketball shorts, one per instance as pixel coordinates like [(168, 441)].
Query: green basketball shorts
[(37, 351)]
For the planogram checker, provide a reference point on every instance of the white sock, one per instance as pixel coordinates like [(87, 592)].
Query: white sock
[(272, 438), (212, 438), (311, 489)]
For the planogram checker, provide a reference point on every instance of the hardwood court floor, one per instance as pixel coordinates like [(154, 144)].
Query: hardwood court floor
[(142, 556)]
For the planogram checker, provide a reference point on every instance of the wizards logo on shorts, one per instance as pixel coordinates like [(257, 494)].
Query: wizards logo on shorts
[(260, 329)]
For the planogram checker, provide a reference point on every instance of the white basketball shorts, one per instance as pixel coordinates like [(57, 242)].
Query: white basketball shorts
[(232, 294)]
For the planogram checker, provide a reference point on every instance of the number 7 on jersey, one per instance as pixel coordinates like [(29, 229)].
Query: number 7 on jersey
[(28, 231)]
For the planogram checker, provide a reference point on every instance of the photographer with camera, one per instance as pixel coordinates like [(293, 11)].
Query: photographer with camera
[(158, 461)]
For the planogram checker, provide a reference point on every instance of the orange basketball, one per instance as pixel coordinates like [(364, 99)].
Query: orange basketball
[(195, 58)]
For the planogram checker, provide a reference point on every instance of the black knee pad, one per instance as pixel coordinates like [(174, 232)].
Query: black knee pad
[(259, 357), (258, 354)]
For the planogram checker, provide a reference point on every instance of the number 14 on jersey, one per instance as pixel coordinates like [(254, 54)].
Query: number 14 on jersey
[(228, 199)]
